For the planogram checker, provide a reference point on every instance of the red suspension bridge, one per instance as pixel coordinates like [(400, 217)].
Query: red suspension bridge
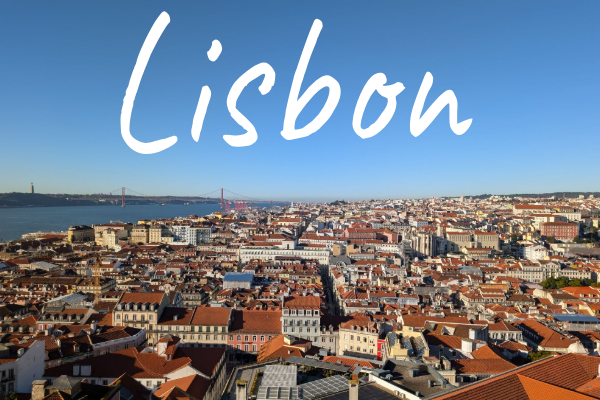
[(229, 200)]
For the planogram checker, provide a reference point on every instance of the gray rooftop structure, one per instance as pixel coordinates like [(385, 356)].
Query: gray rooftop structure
[(279, 393), (370, 391), (280, 376), (324, 387), (318, 364), (575, 318)]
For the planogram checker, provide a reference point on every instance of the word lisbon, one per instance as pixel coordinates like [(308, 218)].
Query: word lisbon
[(295, 103)]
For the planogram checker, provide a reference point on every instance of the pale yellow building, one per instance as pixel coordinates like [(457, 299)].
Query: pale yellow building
[(81, 233)]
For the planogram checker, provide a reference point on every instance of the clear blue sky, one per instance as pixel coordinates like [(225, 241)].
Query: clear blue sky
[(527, 73)]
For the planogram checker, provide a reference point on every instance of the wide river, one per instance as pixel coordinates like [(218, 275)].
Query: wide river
[(15, 222)]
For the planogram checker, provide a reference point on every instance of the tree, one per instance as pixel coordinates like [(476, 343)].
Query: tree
[(514, 238), (551, 239), (562, 282), (575, 283), (576, 239), (549, 283), (537, 355)]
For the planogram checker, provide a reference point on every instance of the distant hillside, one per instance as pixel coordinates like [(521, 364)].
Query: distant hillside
[(57, 200), (39, 200)]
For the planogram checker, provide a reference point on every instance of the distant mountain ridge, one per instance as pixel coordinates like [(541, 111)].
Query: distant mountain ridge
[(63, 200), (41, 200)]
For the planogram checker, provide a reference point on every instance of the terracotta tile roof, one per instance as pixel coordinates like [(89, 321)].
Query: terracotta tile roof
[(545, 336), (433, 339), (487, 352), (514, 346), (194, 385), (151, 297), (479, 366), (211, 316), (537, 390), (176, 316), (303, 302), (257, 321), (138, 390), (557, 378), (145, 365), (204, 359), (277, 348)]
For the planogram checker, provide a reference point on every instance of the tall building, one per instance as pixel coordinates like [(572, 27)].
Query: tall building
[(31, 188), (302, 317)]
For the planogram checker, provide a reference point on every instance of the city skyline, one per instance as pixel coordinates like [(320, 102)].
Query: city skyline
[(234, 196), (529, 86)]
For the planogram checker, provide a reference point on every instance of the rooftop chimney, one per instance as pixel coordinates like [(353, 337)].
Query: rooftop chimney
[(353, 388), (38, 389), (241, 390)]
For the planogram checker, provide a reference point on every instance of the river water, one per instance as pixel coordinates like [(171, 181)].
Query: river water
[(14, 222)]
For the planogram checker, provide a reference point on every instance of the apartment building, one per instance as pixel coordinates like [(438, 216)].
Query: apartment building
[(140, 234), (197, 327), (141, 310), (459, 240), (80, 233), (487, 239), (160, 234), (186, 232), (20, 364), (210, 326), (250, 330), (560, 230), (271, 253), (301, 316), (359, 338)]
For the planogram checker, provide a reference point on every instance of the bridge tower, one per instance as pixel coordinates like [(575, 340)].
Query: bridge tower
[(123, 196)]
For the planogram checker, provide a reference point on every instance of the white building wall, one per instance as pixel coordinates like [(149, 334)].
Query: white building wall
[(27, 368)]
